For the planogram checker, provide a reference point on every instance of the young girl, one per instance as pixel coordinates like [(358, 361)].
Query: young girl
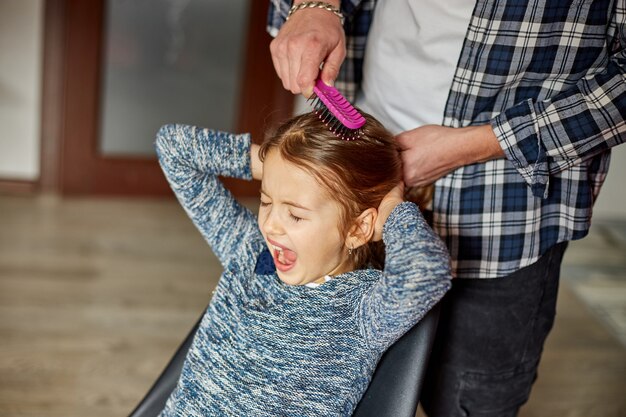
[(299, 318)]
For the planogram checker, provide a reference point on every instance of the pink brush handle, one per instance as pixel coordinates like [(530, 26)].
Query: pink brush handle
[(338, 105)]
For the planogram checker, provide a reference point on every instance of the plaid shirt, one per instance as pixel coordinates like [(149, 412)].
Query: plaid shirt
[(550, 79)]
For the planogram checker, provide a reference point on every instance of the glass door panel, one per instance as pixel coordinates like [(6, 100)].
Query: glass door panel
[(169, 61)]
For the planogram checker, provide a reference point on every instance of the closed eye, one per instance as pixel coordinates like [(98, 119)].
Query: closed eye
[(295, 218), (264, 203)]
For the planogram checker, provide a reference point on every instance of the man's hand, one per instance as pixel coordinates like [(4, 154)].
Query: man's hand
[(430, 152), (309, 38), (389, 202)]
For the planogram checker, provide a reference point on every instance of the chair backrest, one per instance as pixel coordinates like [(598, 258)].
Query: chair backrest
[(154, 401), (397, 382), (393, 392)]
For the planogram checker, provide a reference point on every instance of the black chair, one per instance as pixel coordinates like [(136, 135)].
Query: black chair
[(393, 392)]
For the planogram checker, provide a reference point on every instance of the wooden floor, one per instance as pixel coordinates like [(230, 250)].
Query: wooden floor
[(96, 294)]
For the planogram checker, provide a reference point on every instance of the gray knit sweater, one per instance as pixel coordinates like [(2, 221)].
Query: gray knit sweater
[(265, 348)]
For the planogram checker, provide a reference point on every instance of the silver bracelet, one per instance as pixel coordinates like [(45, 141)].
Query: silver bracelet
[(316, 4)]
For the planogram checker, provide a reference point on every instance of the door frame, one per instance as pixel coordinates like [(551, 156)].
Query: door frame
[(73, 51)]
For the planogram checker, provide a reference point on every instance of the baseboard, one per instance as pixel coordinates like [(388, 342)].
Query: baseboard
[(18, 187)]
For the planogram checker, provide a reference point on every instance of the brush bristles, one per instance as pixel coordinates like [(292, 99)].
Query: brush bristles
[(332, 122), (336, 112)]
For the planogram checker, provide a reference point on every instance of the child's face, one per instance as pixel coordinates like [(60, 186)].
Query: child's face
[(300, 223)]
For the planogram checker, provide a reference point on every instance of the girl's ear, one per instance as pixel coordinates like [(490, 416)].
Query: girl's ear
[(362, 230)]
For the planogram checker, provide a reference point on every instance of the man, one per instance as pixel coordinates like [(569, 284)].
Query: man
[(510, 108)]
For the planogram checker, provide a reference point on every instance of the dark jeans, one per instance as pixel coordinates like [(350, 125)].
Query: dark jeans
[(489, 341)]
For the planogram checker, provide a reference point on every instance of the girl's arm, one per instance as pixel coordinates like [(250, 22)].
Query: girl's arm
[(416, 276), (192, 158)]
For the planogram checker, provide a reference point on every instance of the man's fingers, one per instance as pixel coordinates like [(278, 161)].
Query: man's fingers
[(294, 68), (279, 70), (333, 62), (309, 69), (280, 60), (301, 46)]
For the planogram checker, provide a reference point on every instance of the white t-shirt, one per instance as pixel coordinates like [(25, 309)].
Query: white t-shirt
[(412, 52)]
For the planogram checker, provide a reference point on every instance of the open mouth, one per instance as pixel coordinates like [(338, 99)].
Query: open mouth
[(284, 259)]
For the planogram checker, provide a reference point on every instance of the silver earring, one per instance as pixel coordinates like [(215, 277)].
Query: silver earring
[(350, 250)]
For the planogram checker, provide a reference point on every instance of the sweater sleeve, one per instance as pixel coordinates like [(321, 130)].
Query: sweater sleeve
[(416, 276), (542, 138), (192, 158)]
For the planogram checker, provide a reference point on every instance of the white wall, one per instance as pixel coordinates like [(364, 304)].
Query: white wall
[(21, 42), (611, 203)]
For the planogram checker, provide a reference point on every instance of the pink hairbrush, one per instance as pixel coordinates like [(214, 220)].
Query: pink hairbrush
[(336, 112)]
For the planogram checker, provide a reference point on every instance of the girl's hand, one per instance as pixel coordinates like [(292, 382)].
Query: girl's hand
[(256, 166), (389, 202)]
